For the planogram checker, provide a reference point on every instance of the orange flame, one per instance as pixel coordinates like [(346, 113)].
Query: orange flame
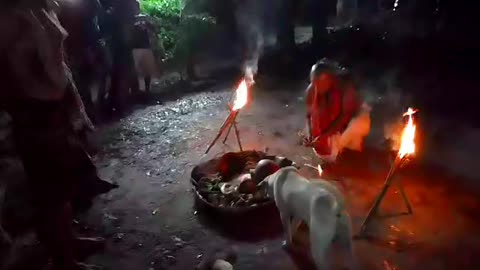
[(320, 170), (241, 96), (407, 144)]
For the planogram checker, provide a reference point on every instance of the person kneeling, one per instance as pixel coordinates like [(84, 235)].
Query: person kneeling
[(336, 116)]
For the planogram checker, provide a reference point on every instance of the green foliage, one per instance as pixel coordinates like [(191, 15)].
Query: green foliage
[(178, 32), (167, 15), (168, 11), (194, 28)]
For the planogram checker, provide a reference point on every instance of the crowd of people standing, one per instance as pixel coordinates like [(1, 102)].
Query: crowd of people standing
[(99, 46), (52, 54)]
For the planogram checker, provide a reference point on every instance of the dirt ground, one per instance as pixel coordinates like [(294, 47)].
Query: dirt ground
[(151, 221)]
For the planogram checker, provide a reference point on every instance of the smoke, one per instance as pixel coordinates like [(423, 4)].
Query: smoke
[(249, 75), (248, 14), (388, 101), (392, 132), (394, 102)]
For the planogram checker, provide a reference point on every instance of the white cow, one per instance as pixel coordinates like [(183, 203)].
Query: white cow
[(320, 205)]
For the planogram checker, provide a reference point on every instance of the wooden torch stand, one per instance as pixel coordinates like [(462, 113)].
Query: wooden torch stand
[(230, 122), (399, 162)]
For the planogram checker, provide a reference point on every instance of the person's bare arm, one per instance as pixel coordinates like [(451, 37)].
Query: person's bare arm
[(309, 101)]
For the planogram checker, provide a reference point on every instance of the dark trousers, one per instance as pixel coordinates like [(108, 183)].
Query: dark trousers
[(84, 77), (50, 154), (120, 86)]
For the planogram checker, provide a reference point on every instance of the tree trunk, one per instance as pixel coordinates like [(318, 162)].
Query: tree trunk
[(286, 31), (191, 74)]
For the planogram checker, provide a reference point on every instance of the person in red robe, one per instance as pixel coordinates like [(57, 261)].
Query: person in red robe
[(333, 108)]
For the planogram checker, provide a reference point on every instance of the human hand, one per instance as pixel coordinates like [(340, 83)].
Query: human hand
[(309, 140)]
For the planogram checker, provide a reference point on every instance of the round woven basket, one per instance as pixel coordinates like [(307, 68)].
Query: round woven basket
[(210, 166)]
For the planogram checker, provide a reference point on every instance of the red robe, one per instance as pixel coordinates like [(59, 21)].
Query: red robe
[(339, 104)]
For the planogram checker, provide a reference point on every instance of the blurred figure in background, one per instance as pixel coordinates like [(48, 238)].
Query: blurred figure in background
[(84, 45), (47, 113), (120, 26), (105, 24), (148, 48), (143, 54)]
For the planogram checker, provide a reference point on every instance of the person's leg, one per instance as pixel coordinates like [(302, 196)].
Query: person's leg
[(54, 230), (120, 86), (83, 80), (102, 88), (50, 164), (114, 85), (148, 80), (134, 85), (132, 74), (87, 181)]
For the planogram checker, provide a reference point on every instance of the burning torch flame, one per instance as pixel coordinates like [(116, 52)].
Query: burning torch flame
[(320, 170), (241, 96), (407, 144)]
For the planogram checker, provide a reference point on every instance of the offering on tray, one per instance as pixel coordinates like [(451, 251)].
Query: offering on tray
[(264, 168), (230, 182), (245, 183)]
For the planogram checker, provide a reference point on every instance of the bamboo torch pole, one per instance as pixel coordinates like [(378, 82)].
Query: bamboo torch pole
[(226, 124)]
